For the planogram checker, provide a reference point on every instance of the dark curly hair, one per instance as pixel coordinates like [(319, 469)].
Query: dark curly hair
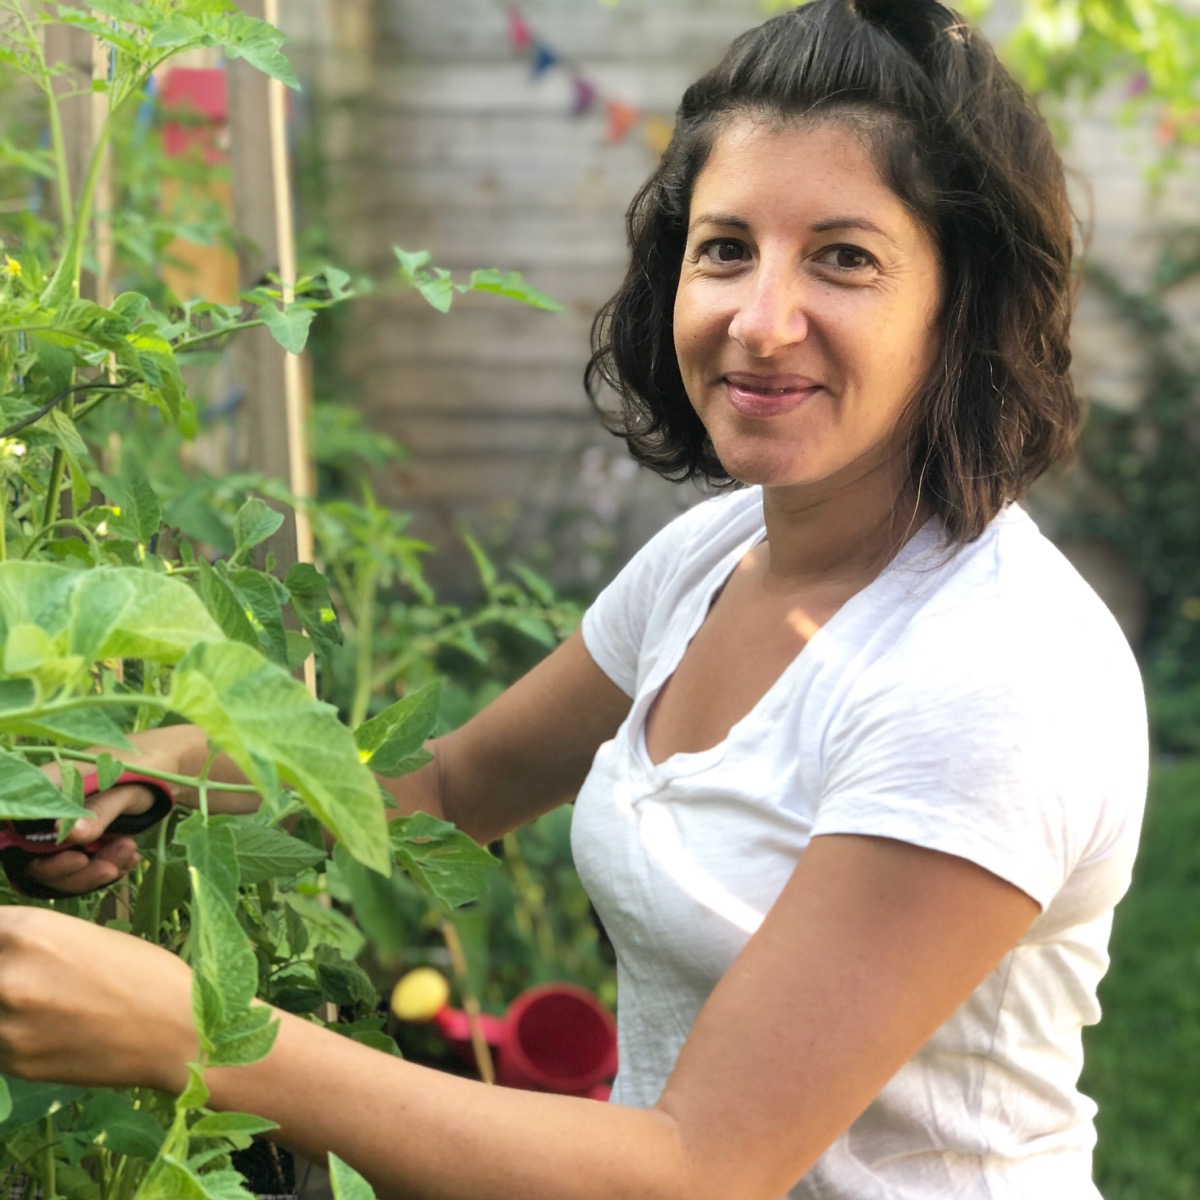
[(963, 147)]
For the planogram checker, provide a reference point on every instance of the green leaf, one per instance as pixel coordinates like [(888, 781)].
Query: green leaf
[(417, 759), (141, 513), (389, 739), (108, 771), (411, 262), (56, 362), (265, 853), (107, 612), (376, 1039), (169, 1179), (375, 900), (311, 602), (155, 361), (26, 793), (261, 596), (109, 1119), (29, 1102), (534, 628), (132, 306), (347, 1183), (245, 1039), (256, 520), (540, 588), (231, 1125), (443, 861), (150, 910), (16, 694), (510, 284), (6, 1105), (288, 326), (64, 434), (233, 1030), (225, 974), (81, 726), (344, 983), (261, 45), (258, 714), (225, 605), (483, 564), (195, 1094), (437, 288), (325, 926)]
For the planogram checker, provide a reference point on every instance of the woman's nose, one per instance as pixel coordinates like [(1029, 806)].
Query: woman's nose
[(771, 314)]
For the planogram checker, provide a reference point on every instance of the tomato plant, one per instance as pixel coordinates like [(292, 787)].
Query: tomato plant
[(128, 601)]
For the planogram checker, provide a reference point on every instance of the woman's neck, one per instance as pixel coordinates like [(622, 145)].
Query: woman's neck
[(839, 533)]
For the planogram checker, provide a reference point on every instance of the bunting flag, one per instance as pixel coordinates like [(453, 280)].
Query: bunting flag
[(585, 96), (519, 34), (542, 59), (619, 120), (659, 131), (619, 116)]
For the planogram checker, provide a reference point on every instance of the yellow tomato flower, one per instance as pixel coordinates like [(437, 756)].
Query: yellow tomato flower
[(12, 268)]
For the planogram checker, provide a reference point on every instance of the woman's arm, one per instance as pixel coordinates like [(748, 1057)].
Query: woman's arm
[(527, 752), (870, 947)]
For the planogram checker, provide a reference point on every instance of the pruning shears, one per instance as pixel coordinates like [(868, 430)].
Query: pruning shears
[(22, 842)]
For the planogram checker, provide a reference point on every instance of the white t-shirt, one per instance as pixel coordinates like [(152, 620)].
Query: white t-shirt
[(983, 703)]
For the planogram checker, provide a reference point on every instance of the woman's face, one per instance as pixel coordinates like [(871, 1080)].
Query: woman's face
[(804, 318)]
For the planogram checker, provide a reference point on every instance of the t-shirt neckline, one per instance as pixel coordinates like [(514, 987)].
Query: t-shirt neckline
[(691, 762)]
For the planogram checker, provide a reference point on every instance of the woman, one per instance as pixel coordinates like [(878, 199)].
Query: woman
[(860, 760)]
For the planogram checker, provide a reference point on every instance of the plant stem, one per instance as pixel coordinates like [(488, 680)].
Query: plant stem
[(364, 651), (57, 137), (65, 283), (88, 535), (49, 1180), (202, 784), (160, 871), (199, 338), (57, 466), (531, 897), (191, 781)]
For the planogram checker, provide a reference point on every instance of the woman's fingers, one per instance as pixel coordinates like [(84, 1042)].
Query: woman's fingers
[(81, 1004), (76, 873), (105, 808)]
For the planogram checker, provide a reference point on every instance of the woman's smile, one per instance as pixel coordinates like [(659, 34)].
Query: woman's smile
[(764, 396)]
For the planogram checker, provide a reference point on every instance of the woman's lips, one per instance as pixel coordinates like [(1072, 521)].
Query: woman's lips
[(768, 395)]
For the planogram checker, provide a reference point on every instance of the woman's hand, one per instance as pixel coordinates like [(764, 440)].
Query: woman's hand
[(85, 1005), (174, 749)]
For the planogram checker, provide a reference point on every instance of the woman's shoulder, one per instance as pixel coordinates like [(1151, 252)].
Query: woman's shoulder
[(1008, 613), (727, 516), (701, 536)]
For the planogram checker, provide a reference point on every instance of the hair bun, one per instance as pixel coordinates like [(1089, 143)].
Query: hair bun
[(915, 24)]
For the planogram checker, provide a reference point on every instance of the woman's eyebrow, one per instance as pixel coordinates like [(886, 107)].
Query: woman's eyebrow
[(731, 221), (863, 223), (719, 218)]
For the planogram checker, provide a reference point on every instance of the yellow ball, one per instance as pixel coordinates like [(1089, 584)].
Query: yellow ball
[(420, 995)]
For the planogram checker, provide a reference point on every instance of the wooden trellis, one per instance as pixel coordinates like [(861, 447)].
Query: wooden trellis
[(274, 412)]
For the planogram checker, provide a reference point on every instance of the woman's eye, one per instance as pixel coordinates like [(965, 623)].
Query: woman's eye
[(723, 250), (848, 258)]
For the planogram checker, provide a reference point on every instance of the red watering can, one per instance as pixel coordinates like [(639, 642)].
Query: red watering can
[(554, 1038)]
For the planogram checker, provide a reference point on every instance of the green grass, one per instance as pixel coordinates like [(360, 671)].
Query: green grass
[(1143, 1060)]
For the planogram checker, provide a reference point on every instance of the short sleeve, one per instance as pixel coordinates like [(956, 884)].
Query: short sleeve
[(1023, 753), (617, 624)]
